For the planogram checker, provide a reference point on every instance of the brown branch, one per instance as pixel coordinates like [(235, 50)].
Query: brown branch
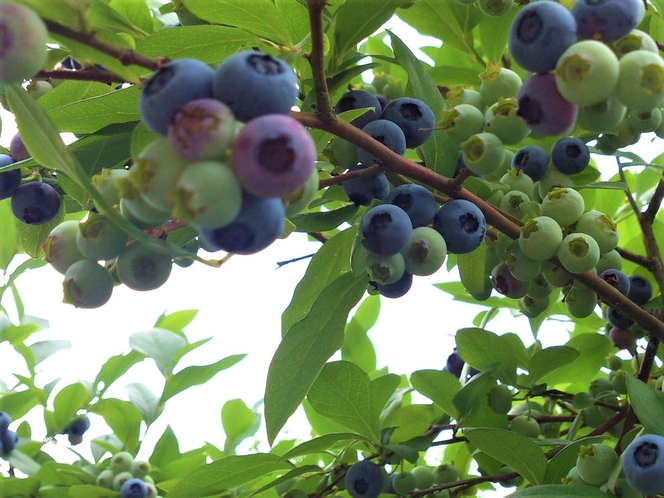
[(359, 173), (643, 261), (655, 203), (395, 163), (125, 56), (81, 75), (317, 61)]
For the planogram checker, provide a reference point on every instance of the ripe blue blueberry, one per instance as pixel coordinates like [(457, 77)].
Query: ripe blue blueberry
[(253, 84), (454, 364), (617, 279), (462, 224), (78, 426), (643, 464), (364, 479), (416, 200), (35, 203), (532, 160), (8, 441), (9, 180), (260, 222), (606, 20), (387, 133), (134, 488), (360, 99), (362, 190), (570, 155), (171, 87), (617, 319), (414, 117), (386, 229), (396, 289), (539, 34), (5, 420), (640, 289)]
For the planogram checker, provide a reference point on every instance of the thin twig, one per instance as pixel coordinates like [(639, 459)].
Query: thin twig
[(350, 175), (643, 261), (655, 203), (81, 75)]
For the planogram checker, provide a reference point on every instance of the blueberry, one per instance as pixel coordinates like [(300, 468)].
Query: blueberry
[(171, 87), (8, 441), (606, 20), (273, 156), (462, 225), (542, 107), (362, 190), (23, 48), (386, 229), (539, 34), (622, 338), (396, 289), (617, 319), (418, 203), (35, 203), (17, 149), (364, 479), (5, 420), (142, 269), (570, 155), (532, 160), (616, 279), (640, 289), (360, 99), (9, 180), (505, 283), (78, 426), (414, 117), (87, 285), (134, 488), (387, 133), (643, 464), (253, 84), (260, 222), (454, 364)]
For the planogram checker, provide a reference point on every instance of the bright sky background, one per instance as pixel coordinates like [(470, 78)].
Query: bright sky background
[(240, 306)]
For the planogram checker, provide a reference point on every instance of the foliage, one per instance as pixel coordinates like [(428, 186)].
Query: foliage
[(355, 410)]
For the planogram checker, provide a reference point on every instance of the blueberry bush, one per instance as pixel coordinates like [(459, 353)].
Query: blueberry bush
[(203, 129)]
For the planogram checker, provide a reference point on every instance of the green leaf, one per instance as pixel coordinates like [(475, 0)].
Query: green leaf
[(440, 387), (144, 400), (67, 402), (306, 347), (357, 19), (89, 491), (494, 32), (33, 236), (125, 16), (227, 473), (196, 375), (483, 349), (44, 349), (115, 367), (472, 270), (176, 321), (593, 349), (209, 44), (410, 421), (9, 240), (320, 444), (440, 153), (342, 392), (357, 347), (549, 359), (513, 449), (166, 450), (259, 17), (123, 419), (647, 403), (18, 403), (239, 422), (159, 344), (560, 490), (324, 220), (330, 261)]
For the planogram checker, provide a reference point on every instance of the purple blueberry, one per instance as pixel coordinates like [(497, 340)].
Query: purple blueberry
[(505, 283), (414, 117), (253, 84), (9, 180), (570, 155), (360, 99), (260, 222), (418, 203), (616, 279), (171, 87), (454, 364), (606, 20), (17, 149), (640, 289), (386, 229), (462, 224), (35, 203), (539, 34), (542, 107), (387, 133)]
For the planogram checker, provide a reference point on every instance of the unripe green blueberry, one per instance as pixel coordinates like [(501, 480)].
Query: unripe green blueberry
[(511, 203), (582, 400), (645, 121), (445, 473), (461, 122), (580, 302), (404, 482), (426, 251), (120, 478), (521, 266), (502, 120), (553, 179), (516, 179), (593, 416), (152, 490), (461, 95), (99, 239), (619, 382), (300, 200), (140, 468), (483, 153), (601, 117), (641, 82), (60, 249), (599, 385), (500, 399), (533, 306), (122, 462), (423, 476), (140, 268), (142, 214), (23, 48), (572, 477), (609, 260), (600, 227), (565, 205), (595, 463), (587, 72), (578, 252), (385, 270), (344, 153), (515, 481), (540, 238), (87, 284), (108, 184), (498, 81), (207, 194), (393, 89), (636, 40), (614, 363), (539, 287), (105, 479), (523, 424)]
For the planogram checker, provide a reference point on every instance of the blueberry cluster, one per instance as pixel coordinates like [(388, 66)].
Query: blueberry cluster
[(8, 438), (76, 429), (128, 476), (229, 161)]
